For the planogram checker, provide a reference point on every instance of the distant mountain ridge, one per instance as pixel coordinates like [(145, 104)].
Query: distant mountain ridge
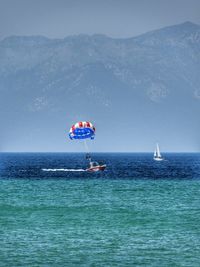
[(149, 83)]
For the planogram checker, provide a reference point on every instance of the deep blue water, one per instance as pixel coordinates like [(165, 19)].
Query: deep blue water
[(137, 213), (119, 166)]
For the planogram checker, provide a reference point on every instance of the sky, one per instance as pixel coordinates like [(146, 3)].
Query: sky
[(115, 18)]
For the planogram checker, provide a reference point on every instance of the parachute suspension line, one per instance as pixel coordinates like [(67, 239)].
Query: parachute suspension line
[(86, 146), (88, 157)]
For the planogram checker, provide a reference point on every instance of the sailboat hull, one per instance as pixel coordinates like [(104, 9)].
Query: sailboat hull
[(158, 159)]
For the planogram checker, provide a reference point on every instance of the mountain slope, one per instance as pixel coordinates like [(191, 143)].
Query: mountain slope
[(137, 91)]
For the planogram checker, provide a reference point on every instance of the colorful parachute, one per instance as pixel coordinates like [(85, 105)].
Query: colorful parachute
[(82, 130)]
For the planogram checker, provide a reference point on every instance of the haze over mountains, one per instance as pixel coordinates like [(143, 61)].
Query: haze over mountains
[(136, 91)]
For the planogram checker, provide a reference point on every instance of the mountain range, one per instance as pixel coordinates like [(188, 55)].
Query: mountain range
[(136, 91)]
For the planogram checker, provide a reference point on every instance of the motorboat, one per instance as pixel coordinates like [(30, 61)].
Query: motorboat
[(95, 167)]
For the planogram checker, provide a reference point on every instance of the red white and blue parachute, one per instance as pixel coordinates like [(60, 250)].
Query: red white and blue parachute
[(82, 130)]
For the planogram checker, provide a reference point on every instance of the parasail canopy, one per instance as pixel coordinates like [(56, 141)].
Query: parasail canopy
[(82, 130)]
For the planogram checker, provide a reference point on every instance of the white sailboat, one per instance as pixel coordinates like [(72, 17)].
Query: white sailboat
[(157, 155)]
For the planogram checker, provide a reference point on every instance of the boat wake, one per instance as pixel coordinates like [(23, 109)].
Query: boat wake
[(63, 170)]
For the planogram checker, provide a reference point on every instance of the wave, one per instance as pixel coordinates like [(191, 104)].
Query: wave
[(63, 170)]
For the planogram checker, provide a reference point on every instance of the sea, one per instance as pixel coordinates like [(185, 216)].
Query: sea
[(138, 212)]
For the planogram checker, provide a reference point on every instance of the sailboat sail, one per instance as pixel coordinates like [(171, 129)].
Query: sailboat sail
[(158, 151), (157, 155)]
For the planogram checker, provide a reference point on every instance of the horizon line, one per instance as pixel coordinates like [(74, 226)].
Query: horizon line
[(93, 152)]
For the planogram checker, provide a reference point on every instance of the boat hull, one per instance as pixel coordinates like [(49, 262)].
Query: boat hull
[(158, 159), (96, 168)]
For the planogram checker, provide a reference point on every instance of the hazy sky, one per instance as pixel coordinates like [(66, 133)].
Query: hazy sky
[(116, 18)]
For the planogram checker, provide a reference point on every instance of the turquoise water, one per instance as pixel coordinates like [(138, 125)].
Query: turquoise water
[(96, 222), (136, 213)]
